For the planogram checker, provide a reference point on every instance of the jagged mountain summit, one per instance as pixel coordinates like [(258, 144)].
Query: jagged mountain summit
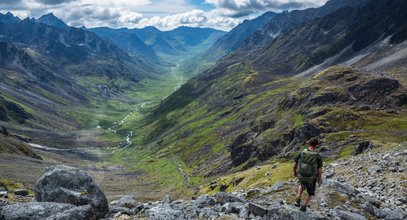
[(9, 18), (52, 20)]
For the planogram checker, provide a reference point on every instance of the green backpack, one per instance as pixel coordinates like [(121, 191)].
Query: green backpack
[(307, 164)]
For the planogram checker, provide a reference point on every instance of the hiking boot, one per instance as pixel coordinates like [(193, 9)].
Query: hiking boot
[(298, 203), (303, 208)]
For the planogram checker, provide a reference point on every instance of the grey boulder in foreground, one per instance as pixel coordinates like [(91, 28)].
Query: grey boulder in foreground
[(62, 192)]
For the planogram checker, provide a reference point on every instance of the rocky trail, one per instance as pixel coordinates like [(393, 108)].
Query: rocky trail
[(371, 185)]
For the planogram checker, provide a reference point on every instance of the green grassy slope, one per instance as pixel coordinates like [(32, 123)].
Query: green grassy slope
[(237, 122)]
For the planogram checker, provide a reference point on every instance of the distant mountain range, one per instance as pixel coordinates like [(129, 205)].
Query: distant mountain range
[(151, 41)]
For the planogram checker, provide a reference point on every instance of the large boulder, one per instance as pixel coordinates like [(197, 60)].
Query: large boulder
[(64, 184), (47, 211)]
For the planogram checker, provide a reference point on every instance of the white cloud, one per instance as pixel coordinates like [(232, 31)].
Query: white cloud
[(164, 14), (245, 7), (194, 18)]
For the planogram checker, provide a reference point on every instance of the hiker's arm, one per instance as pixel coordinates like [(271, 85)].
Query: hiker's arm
[(295, 169), (319, 176)]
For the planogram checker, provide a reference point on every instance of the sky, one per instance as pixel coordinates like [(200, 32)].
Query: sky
[(163, 14)]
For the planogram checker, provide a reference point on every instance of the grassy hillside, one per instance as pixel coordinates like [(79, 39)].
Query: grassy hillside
[(238, 122)]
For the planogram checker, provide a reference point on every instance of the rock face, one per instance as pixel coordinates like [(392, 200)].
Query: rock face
[(63, 184)]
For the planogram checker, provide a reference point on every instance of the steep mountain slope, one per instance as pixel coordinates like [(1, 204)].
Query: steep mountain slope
[(259, 33), (234, 38), (266, 104), (286, 21), (54, 77)]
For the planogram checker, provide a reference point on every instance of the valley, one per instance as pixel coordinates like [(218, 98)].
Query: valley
[(197, 123)]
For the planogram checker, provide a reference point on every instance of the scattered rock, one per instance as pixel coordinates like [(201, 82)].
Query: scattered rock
[(207, 213), (349, 190), (204, 200), (167, 199), (127, 202), (329, 175), (236, 180), (387, 213), (223, 187), (375, 169), (392, 169), (3, 194), (349, 215), (122, 210), (278, 186), (213, 185), (21, 192), (46, 210), (3, 203), (66, 184), (232, 207), (120, 216), (286, 213), (363, 146), (166, 212), (257, 210), (223, 198)]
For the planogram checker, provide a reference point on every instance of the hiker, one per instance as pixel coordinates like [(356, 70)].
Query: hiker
[(308, 169)]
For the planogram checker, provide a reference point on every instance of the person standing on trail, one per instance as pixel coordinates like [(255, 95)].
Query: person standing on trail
[(308, 169)]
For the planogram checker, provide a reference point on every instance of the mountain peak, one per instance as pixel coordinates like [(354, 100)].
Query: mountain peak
[(9, 18), (52, 20)]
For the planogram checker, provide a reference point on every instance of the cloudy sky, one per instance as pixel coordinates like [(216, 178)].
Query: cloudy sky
[(164, 14)]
